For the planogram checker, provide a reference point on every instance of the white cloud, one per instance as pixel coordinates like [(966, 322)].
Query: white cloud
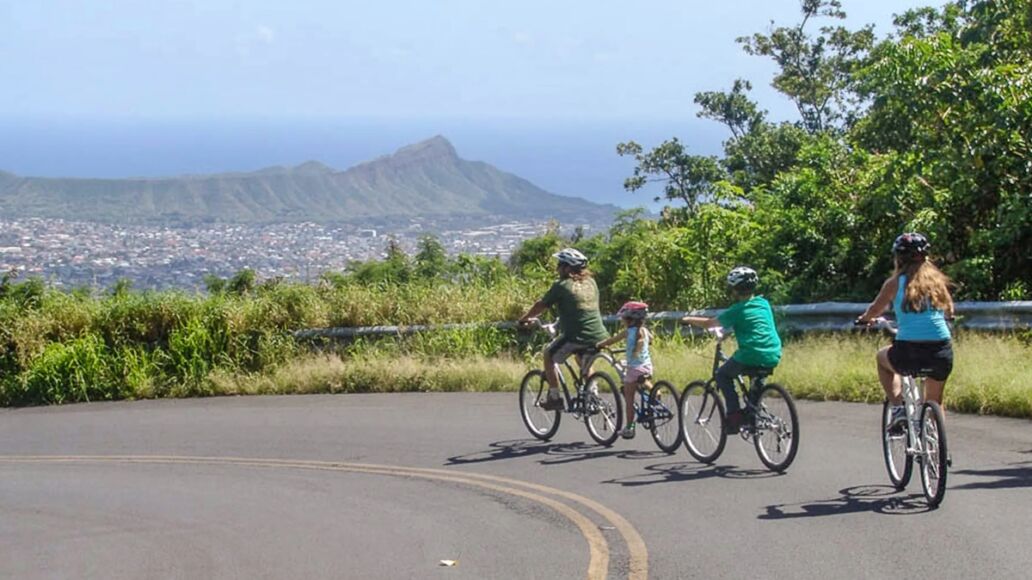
[(265, 34)]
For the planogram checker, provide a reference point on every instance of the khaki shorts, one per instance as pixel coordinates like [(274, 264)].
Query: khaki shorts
[(560, 349)]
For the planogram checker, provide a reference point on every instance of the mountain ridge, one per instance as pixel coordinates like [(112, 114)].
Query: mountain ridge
[(424, 179)]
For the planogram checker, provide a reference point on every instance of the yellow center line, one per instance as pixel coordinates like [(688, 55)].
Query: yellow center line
[(598, 548)]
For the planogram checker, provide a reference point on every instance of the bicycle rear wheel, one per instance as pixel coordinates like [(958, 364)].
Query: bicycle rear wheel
[(702, 422), (777, 428), (603, 409), (666, 426), (933, 462), (898, 462), (542, 424)]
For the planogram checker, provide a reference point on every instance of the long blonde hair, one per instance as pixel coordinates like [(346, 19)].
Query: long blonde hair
[(926, 285)]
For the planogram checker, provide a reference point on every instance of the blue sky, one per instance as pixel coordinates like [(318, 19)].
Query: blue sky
[(545, 89), (392, 58)]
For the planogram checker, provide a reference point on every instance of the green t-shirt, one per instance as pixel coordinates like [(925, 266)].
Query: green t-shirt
[(577, 303), (753, 323)]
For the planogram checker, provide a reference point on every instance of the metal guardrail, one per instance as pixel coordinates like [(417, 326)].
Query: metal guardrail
[(792, 318)]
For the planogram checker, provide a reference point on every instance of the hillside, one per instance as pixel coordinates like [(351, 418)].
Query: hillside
[(426, 179)]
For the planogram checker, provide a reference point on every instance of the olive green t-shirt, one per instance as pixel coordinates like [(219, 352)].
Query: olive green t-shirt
[(753, 323), (577, 302)]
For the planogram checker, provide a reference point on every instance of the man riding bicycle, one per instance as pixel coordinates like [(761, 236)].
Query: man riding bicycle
[(575, 297)]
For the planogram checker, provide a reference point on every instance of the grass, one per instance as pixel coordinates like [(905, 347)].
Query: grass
[(822, 368), (66, 347)]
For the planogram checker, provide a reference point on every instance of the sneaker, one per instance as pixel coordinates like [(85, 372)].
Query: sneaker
[(628, 431), (897, 421), (553, 402), (733, 423)]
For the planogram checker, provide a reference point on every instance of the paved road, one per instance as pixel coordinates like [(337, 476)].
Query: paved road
[(387, 486)]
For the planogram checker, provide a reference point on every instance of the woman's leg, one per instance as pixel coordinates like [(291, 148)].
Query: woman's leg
[(888, 377), (933, 391)]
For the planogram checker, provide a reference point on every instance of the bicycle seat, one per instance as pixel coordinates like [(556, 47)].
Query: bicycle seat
[(759, 373)]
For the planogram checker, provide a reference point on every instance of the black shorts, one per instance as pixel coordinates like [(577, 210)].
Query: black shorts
[(929, 359)]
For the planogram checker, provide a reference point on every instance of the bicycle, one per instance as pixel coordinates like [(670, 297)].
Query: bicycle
[(652, 410), (923, 437), (771, 419), (597, 399)]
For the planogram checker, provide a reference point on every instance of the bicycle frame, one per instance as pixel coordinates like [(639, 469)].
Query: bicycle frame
[(913, 399), (578, 373)]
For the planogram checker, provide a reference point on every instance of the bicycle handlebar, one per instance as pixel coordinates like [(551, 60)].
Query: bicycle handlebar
[(879, 323), (549, 327)]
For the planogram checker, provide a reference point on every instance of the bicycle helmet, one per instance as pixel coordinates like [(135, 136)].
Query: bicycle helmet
[(572, 258), (633, 310), (742, 278), (911, 245)]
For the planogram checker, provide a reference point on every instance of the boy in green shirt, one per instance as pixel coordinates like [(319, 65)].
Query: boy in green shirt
[(759, 347)]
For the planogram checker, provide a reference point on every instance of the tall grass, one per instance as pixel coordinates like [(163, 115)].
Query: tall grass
[(58, 347)]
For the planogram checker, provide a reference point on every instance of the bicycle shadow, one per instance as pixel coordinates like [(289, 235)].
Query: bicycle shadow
[(681, 471), (881, 499), (552, 453), (1007, 477)]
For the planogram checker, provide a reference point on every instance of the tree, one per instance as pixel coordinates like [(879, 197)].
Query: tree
[(735, 110), (950, 118), (690, 179), (431, 260), (243, 282), (815, 72)]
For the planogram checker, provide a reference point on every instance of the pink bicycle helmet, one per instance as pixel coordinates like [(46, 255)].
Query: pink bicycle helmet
[(633, 310)]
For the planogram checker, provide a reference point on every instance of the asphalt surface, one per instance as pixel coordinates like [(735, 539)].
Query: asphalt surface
[(388, 486)]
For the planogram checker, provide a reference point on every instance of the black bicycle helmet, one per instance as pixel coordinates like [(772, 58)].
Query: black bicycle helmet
[(911, 245)]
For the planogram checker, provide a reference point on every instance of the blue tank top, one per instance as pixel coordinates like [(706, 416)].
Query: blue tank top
[(643, 358), (929, 324)]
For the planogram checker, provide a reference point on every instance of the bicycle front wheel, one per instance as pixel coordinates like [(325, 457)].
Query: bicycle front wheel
[(602, 362), (777, 428), (898, 462), (662, 406), (933, 462), (603, 409), (702, 422), (542, 424)]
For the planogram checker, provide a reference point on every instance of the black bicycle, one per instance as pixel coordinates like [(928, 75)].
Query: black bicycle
[(597, 399), (770, 415), (655, 408)]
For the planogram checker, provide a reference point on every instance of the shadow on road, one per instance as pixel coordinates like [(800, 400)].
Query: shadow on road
[(881, 499), (1020, 475), (680, 472), (551, 453)]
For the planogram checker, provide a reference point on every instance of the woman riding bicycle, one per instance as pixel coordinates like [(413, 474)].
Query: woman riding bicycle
[(920, 297), (575, 296)]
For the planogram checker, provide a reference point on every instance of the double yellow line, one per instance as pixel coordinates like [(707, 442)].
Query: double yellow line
[(598, 547)]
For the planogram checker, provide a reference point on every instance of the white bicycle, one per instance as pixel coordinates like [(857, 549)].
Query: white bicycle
[(923, 438)]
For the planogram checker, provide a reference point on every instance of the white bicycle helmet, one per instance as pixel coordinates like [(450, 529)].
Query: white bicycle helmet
[(743, 277), (572, 258)]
